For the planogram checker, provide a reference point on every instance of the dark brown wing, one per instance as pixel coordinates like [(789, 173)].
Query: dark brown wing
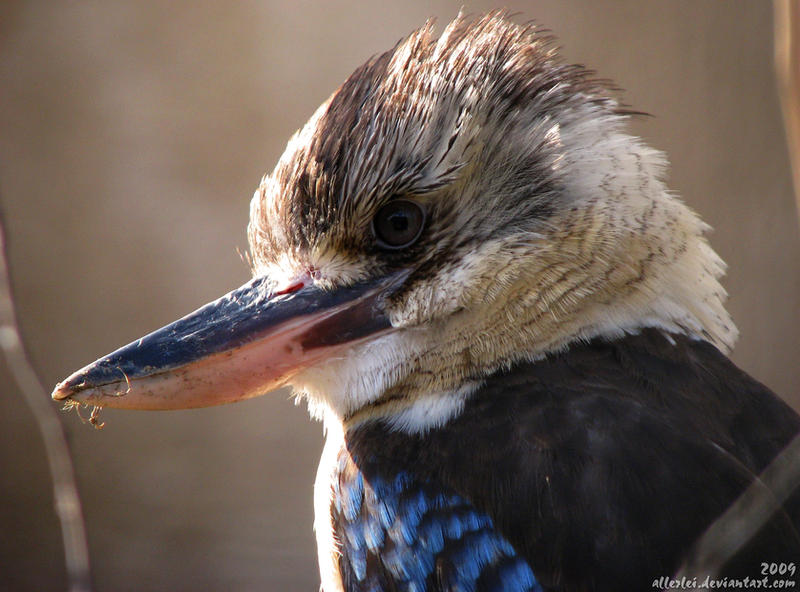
[(604, 464)]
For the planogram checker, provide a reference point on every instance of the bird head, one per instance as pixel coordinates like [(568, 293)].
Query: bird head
[(459, 204)]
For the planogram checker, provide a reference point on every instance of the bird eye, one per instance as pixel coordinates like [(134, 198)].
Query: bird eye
[(398, 224)]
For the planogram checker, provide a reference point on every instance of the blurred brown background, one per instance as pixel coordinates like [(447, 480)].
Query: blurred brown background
[(132, 135)]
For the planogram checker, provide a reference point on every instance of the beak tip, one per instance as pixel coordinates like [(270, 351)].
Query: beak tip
[(59, 394), (69, 387), (91, 382)]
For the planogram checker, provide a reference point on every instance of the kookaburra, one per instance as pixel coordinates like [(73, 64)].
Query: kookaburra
[(514, 333)]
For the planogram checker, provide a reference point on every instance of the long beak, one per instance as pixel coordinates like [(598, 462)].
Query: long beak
[(244, 344)]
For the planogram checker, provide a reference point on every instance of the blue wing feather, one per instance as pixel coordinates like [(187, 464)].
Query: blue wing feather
[(398, 533)]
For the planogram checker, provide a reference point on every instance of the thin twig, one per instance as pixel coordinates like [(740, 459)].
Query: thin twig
[(65, 491), (745, 517), (787, 69)]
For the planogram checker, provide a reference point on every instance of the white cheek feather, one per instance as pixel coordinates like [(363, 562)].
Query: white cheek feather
[(336, 389), (346, 383), (431, 411)]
